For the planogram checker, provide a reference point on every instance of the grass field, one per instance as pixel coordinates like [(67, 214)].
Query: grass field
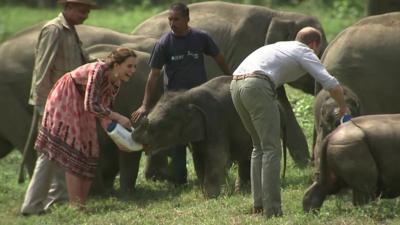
[(162, 203)]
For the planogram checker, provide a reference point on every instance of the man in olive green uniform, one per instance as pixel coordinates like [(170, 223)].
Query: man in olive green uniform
[(58, 51)]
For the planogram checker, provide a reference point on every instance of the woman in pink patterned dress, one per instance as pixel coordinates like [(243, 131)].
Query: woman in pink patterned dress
[(68, 135)]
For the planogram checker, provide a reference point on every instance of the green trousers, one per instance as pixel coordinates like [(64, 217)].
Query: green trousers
[(256, 103)]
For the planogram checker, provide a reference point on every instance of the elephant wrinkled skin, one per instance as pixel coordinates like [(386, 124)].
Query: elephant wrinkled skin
[(367, 64), (325, 119), (363, 155), (205, 117), (240, 33), (374, 7), (230, 31)]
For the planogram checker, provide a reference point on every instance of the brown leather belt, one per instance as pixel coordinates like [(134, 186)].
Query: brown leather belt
[(255, 75)]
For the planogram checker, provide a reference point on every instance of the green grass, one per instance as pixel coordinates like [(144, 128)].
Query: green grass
[(15, 18), (162, 203)]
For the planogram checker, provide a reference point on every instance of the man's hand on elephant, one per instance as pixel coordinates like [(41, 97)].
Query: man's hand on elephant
[(341, 111), (142, 111)]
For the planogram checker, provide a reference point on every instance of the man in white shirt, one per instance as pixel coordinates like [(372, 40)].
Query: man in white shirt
[(253, 94)]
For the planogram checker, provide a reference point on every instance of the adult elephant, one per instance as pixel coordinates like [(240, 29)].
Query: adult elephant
[(240, 33), (375, 7), (16, 67), (364, 58)]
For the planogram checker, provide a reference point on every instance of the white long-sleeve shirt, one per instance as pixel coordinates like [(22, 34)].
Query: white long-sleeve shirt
[(286, 61)]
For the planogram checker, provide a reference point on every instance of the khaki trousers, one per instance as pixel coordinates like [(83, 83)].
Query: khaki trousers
[(256, 103), (47, 186)]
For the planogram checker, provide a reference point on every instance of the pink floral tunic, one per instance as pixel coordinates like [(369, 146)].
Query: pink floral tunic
[(68, 134)]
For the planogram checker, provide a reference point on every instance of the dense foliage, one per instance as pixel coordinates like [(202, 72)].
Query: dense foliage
[(343, 4)]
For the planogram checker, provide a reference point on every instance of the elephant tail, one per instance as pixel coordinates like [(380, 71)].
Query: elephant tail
[(28, 146), (284, 151)]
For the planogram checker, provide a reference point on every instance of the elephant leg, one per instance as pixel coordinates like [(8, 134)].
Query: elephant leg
[(357, 169), (28, 153), (16, 118), (199, 162), (314, 197), (30, 156), (296, 140), (216, 159), (361, 197), (243, 178), (364, 186), (5, 147), (156, 167), (128, 170)]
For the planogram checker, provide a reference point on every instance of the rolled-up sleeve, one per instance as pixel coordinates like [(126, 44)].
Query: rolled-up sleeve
[(314, 67)]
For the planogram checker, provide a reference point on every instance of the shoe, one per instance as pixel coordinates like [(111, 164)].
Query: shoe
[(33, 214)]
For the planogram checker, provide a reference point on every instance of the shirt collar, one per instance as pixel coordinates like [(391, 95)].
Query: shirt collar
[(64, 21), (301, 43)]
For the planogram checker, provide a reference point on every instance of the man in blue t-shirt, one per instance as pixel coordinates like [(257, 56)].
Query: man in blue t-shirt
[(181, 52)]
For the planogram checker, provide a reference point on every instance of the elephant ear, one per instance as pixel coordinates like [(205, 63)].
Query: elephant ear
[(352, 101), (195, 126), (329, 108), (280, 30)]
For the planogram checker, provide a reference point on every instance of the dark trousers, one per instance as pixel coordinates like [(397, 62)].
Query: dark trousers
[(178, 164)]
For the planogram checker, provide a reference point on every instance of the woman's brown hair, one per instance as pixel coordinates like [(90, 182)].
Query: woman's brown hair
[(119, 55)]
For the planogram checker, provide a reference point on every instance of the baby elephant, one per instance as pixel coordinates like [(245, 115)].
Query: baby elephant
[(363, 155), (205, 117)]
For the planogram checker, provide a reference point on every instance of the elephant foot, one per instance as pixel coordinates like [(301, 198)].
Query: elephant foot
[(211, 191), (5, 148), (361, 198), (313, 198), (302, 162), (157, 176), (126, 194)]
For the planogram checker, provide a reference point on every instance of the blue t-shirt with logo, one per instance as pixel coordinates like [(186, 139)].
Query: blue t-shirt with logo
[(183, 58)]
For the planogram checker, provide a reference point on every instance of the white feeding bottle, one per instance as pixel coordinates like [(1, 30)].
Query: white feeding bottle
[(123, 137)]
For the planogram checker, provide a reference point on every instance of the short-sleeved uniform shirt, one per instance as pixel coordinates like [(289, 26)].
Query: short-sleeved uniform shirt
[(183, 58)]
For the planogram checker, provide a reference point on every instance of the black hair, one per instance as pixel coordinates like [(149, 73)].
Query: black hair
[(182, 8)]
